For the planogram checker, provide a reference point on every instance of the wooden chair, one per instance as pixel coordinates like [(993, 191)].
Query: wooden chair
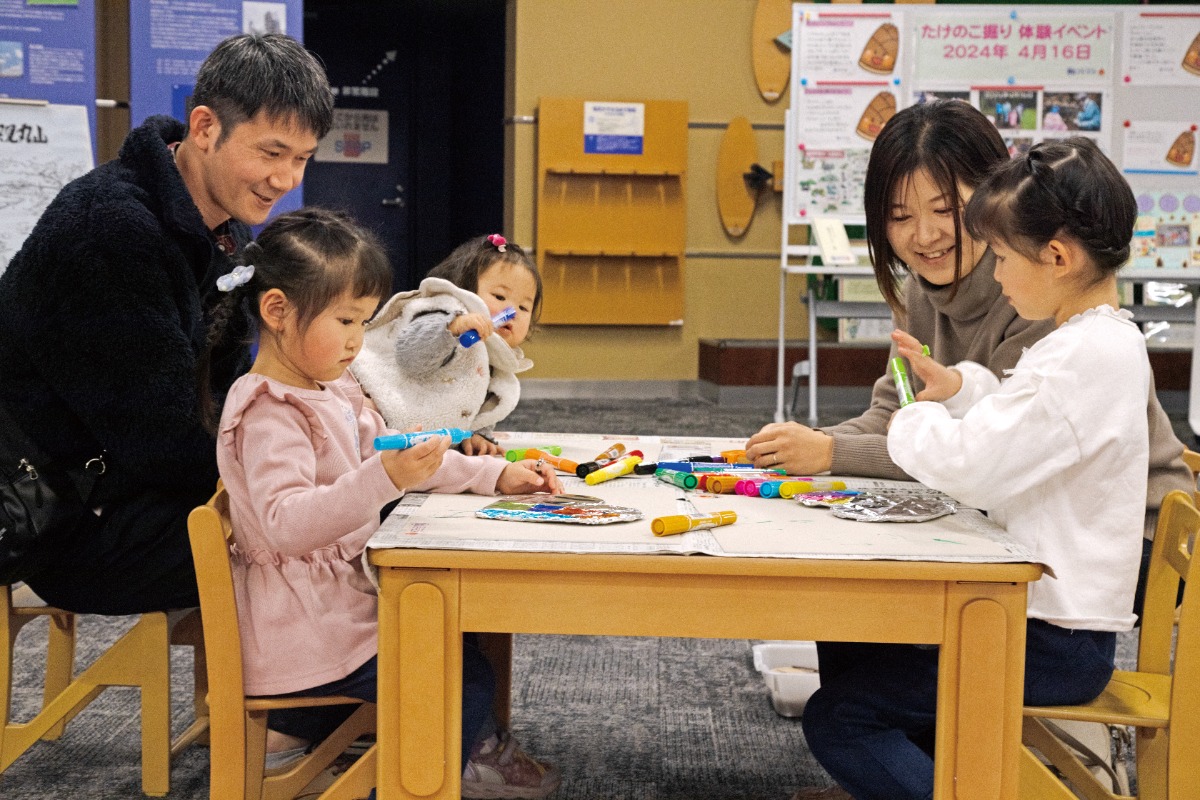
[(140, 658), (239, 722), (1158, 701), (1192, 459)]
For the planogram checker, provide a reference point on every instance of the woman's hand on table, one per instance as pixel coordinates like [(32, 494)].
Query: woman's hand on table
[(525, 477), (791, 446)]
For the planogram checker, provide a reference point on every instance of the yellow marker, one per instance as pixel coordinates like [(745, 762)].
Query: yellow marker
[(816, 486), (682, 523), (789, 489), (622, 466)]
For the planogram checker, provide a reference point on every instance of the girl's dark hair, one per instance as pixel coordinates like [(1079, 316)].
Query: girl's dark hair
[(313, 256), (1064, 188), (473, 257), (948, 139)]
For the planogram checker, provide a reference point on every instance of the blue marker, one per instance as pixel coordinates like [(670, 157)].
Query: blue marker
[(403, 441), (468, 338)]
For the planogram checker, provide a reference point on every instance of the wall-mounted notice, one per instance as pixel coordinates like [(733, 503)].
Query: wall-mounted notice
[(1016, 47), (614, 128), (1162, 49), (849, 45), (358, 136), (41, 149), (169, 39), (48, 52), (1160, 147)]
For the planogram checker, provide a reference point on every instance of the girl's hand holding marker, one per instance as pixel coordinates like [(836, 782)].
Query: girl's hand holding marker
[(941, 382)]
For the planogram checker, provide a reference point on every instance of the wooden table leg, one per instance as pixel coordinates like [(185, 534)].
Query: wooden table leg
[(420, 685), (982, 659)]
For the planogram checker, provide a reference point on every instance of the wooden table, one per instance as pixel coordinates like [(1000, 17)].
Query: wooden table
[(428, 598)]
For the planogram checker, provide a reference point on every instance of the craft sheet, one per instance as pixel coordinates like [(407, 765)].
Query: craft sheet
[(770, 528)]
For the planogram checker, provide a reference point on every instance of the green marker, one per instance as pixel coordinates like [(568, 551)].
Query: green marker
[(519, 454), (900, 376), (684, 480)]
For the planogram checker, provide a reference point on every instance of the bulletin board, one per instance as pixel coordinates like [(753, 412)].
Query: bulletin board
[(1127, 77)]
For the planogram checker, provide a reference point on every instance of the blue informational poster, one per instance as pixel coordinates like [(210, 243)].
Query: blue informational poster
[(48, 52), (169, 39)]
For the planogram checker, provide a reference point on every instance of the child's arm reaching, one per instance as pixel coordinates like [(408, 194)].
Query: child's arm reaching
[(523, 477), (941, 383), (471, 322)]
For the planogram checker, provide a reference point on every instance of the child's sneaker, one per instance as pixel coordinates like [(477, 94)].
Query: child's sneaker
[(499, 768)]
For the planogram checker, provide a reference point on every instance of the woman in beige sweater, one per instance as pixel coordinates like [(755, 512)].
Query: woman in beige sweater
[(924, 167)]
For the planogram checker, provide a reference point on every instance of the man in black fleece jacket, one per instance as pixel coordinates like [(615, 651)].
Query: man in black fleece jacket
[(104, 315)]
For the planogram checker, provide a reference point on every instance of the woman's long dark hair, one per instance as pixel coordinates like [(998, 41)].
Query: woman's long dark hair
[(951, 141)]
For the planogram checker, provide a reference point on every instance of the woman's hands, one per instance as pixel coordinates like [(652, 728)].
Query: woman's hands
[(524, 477), (941, 383), (792, 446)]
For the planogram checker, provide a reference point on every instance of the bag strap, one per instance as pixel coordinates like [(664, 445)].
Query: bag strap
[(15, 441), (1088, 756)]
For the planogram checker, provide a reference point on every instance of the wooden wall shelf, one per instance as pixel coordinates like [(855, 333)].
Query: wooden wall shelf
[(611, 227)]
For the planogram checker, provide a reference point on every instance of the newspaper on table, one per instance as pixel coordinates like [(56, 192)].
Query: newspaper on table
[(765, 528)]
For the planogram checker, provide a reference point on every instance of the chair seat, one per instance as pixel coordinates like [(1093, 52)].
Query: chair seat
[(273, 702), (1139, 699), (27, 604)]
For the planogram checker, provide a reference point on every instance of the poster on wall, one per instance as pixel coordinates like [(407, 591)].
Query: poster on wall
[(358, 136), (42, 147), (48, 52), (1017, 47), (1162, 49), (169, 39)]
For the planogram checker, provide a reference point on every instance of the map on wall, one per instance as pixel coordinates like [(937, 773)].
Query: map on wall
[(42, 148)]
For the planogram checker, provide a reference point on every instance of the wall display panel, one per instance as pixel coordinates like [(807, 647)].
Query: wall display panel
[(169, 40), (48, 53), (1128, 78)]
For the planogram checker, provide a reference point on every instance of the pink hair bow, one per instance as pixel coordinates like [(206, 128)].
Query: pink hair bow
[(497, 240)]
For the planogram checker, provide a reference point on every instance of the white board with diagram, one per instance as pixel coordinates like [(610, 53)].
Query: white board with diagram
[(1126, 76)]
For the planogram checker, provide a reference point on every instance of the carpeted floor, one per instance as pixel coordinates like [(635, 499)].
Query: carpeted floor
[(628, 718)]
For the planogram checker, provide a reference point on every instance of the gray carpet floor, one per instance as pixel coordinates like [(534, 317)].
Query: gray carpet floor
[(623, 718)]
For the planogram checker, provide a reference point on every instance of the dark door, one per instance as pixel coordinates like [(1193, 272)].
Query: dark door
[(437, 68), (369, 65)]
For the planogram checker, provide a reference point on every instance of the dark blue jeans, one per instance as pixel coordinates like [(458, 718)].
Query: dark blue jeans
[(314, 724), (871, 723)]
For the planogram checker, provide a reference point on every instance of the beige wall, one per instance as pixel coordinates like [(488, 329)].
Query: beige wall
[(692, 50)]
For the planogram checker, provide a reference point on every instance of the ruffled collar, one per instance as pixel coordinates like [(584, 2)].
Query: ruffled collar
[(1103, 310)]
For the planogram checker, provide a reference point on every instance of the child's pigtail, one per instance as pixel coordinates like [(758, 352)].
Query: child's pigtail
[(235, 287)]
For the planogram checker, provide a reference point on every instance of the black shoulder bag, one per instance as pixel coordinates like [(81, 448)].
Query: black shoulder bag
[(40, 500)]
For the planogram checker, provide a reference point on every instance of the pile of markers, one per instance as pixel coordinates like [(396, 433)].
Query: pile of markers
[(612, 463)]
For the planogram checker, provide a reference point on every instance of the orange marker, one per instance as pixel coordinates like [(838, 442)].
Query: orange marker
[(558, 462)]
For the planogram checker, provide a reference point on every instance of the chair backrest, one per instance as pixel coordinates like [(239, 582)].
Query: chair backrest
[(1192, 459), (1171, 561), (209, 531)]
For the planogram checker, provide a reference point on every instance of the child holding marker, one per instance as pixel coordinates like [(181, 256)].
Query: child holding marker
[(422, 362), (1057, 452), (306, 486)]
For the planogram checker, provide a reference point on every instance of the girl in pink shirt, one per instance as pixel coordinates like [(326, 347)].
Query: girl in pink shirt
[(306, 487)]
